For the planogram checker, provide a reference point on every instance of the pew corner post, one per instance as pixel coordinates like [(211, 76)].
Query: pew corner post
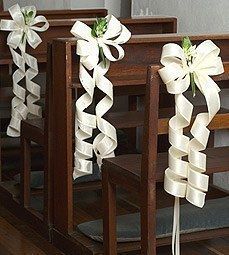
[(61, 148), (109, 213), (25, 171)]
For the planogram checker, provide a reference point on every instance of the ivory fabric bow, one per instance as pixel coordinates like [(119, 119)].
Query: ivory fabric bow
[(187, 178), (23, 28), (89, 48)]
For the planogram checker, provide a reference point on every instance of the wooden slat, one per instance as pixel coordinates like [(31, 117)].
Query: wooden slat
[(220, 121), (6, 94), (64, 14), (134, 119)]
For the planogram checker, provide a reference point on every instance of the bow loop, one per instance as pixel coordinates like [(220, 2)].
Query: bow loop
[(38, 20), (107, 51), (81, 31), (89, 53), (207, 59), (33, 38), (23, 26), (114, 28), (14, 39), (172, 53), (175, 77), (17, 16)]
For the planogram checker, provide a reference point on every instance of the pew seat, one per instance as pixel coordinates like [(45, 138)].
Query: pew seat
[(214, 215), (37, 178), (34, 128)]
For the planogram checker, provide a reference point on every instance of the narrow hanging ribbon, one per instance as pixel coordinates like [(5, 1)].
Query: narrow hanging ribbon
[(23, 29), (93, 47), (182, 67)]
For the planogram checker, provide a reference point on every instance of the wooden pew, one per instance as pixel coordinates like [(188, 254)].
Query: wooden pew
[(61, 28), (140, 173), (140, 51)]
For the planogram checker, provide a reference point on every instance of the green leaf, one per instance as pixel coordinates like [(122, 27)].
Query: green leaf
[(27, 16), (99, 27), (186, 43), (30, 14)]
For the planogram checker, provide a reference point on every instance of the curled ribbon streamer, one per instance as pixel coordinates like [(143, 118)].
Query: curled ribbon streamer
[(186, 179), (88, 48), (23, 29), (104, 143)]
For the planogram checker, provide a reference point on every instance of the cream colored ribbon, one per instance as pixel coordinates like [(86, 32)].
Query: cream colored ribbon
[(88, 49), (186, 178), (23, 29)]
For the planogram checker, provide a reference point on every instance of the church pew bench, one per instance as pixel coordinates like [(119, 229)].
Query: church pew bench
[(140, 173), (127, 76)]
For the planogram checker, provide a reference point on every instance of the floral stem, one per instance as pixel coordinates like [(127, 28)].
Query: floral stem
[(102, 56), (193, 84)]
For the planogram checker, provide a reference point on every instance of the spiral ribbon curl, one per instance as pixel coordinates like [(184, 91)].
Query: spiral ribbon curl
[(88, 49), (186, 179), (23, 29)]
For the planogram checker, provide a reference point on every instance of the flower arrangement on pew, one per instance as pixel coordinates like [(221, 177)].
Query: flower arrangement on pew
[(189, 65), (93, 47), (23, 29)]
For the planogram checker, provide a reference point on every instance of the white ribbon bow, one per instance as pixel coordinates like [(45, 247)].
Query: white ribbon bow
[(88, 49), (23, 29), (186, 178)]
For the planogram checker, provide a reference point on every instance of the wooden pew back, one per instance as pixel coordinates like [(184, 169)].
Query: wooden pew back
[(61, 29)]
